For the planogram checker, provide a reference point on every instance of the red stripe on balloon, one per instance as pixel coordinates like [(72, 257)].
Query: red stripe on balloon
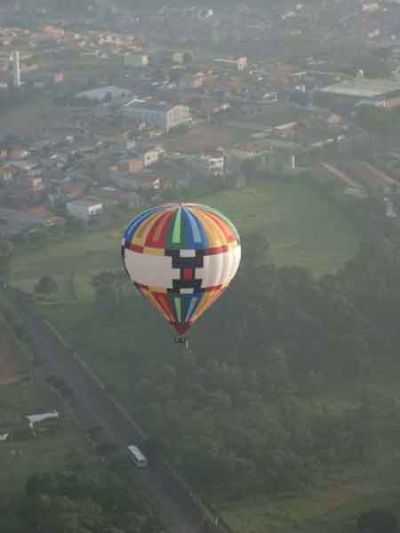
[(180, 327), (216, 250), (156, 237), (136, 248), (165, 303)]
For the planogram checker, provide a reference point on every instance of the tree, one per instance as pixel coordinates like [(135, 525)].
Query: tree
[(86, 500), (377, 521), (6, 251), (46, 285), (109, 288)]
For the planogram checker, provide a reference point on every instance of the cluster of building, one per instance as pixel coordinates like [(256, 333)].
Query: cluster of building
[(124, 94)]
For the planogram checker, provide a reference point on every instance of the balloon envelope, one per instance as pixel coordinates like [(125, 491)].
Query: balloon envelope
[(181, 257)]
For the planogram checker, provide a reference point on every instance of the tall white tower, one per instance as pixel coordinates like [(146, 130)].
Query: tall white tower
[(16, 69)]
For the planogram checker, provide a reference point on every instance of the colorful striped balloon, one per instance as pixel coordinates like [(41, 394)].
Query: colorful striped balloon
[(181, 257)]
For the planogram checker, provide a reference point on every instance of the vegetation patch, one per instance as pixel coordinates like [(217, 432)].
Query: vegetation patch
[(302, 228)]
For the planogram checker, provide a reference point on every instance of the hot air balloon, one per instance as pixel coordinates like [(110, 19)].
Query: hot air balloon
[(181, 257)]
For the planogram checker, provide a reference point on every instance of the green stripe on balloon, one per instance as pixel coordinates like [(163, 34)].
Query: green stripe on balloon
[(176, 233), (178, 309)]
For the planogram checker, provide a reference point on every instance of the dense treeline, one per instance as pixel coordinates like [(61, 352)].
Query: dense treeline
[(81, 500), (288, 378)]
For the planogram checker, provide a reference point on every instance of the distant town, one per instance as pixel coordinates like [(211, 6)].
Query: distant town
[(99, 115)]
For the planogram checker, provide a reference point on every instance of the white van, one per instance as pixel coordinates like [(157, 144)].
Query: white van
[(137, 456)]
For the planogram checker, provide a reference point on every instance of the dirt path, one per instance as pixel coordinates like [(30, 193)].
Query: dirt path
[(340, 175)]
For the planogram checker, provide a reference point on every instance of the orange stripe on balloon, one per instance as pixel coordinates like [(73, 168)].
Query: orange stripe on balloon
[(140, 235), (226, 230), (150, 297), (214, 234)]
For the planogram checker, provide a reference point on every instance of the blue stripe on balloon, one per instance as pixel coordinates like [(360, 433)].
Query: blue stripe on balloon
[(199, 236), (188, 234), (192, 307), (137, 221)]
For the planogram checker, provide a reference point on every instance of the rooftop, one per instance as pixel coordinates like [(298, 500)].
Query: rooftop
[(84, 202), (363, 87), (13, 223), (155, 105), (102, 92)]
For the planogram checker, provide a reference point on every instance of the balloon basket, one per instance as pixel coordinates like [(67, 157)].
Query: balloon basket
[(182, 340)]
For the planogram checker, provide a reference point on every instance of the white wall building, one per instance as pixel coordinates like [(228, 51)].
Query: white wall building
[(240, 63), (84, 209), (16, 69), (152, 155), (215, 163), (136, 60), (102, 94), (159, 115)]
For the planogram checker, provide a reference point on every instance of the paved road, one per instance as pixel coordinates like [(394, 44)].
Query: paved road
[(94, 406)]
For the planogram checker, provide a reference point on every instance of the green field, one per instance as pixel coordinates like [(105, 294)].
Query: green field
[(46, 452), (301, 227), (333, 508), (21, 394)]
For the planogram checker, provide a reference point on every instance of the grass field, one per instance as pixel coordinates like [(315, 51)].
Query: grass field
[(331, 509), (206, 137), (302, 228), (19, 458), (47, 452)]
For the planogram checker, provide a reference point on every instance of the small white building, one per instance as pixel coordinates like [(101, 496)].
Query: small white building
[(158, 114), (36, 419), (215, 163), (151, 155), (84, 209), (240, 63), (211, 164), (136, 60), (103, 94)]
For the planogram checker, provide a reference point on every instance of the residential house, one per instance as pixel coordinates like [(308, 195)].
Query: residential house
[(15, 223), (73, 190), (84, 209), (7, 173), (215, 163), (103, 94), (210, 163), (132, 165), (150, 183), (152, 155), (160, 115), (34, 183), (193, 81), (136, 60), (239, 63)]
